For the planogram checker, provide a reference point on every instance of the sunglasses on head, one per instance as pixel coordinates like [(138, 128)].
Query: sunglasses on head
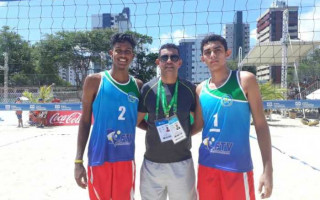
[(173, 58)]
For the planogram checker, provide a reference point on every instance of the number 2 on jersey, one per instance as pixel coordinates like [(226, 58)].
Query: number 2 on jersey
[(122, 110)]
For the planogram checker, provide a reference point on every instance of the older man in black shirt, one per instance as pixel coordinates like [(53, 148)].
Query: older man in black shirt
[(168, 166)]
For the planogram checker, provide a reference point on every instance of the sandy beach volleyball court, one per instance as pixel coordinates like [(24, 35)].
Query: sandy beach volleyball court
[(38, 163)]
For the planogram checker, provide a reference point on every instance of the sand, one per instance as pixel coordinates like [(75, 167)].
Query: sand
[(38, 163)]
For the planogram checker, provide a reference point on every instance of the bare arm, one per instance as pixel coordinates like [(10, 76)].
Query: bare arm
[(139, 83), (251, 88), (90, 88), (140, 121), (198, 121)]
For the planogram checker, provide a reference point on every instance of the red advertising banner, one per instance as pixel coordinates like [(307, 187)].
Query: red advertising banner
[(63, 118)]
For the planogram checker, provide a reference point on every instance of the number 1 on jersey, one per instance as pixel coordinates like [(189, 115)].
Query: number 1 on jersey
[(215, 124)]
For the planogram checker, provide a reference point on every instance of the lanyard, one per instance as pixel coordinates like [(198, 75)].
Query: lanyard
[(166, 108)]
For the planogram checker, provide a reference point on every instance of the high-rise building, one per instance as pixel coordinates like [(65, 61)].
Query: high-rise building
[(120, 21), (237, 35), (192, 68), (269, 28), (68, 75)]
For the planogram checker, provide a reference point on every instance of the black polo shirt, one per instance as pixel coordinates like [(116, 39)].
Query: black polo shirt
[(167, 152)]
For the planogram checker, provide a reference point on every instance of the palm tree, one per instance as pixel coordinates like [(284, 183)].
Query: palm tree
[(45, 93), (271, 92)]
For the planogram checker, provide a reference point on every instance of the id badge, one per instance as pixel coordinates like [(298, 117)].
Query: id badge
[(177, 131), (163, 129)]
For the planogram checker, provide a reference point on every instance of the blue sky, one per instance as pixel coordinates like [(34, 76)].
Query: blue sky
[(164, 20)]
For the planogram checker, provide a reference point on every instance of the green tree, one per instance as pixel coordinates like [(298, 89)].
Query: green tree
[(79, 50), (46, 70), (251, 69), (45, 93), (143, 67), (308, 69), (21, 63), (76, 50), (233, 65), (271, 92)]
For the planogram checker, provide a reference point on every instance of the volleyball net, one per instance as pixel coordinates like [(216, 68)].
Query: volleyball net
[(60, 42)]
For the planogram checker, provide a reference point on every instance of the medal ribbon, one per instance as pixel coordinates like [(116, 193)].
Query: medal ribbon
[(173, 103)]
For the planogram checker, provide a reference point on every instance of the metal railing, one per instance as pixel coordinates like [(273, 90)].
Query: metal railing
[(65, 94), (311, 88)]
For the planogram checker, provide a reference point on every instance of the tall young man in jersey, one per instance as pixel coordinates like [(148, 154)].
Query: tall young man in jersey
[(167, 169), (224, 104), (112, 98)]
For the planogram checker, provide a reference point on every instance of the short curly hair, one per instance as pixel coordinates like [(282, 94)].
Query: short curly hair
[(123, 37)]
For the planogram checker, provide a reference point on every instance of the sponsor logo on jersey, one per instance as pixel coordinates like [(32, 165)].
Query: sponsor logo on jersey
[(132, 97), (117, 138), (218, 147), (226, 100)]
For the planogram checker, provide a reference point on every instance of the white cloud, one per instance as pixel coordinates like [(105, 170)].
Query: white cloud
[(309, 26), (174, 37), (253, 34), (303, 2), (253, 37), (3, 4), (154, 49)]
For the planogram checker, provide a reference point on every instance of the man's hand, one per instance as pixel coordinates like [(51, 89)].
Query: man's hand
[(80, 175), (265, 185)]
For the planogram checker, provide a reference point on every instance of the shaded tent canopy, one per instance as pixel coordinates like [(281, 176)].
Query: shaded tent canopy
[(314, 95), (270, 53)]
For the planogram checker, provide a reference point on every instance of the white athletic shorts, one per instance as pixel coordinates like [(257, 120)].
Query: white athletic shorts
[(177, 180)]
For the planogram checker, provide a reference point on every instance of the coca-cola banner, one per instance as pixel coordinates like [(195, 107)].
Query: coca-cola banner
[(63, 118)]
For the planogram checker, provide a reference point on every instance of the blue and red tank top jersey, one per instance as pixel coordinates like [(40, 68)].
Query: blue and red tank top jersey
[(225, 137), (115, 116)]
